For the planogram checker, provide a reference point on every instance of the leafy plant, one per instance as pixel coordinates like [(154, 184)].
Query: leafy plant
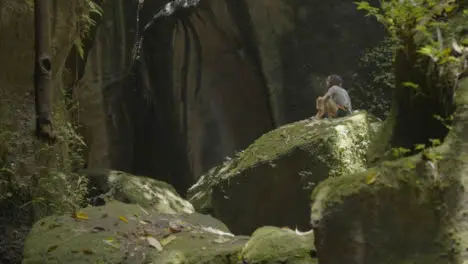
[(87, 23), (425, 23), (374, 79)]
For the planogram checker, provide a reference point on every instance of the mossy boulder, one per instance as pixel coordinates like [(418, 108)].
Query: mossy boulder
[(279, 245), (269, 183), (124, 233), (398, 212), (146, 192)]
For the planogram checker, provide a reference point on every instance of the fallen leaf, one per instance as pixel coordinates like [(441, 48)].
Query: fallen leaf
[(80, 216), (123, 219), (52, 248), (167, 240), (145, 222), (110, 242), (371, 177), (154, 243)]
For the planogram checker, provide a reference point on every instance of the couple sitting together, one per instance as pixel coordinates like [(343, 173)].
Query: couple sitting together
[(336, 102)]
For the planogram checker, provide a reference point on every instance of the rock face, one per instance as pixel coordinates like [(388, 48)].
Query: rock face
[(178, 107), (269, 183), (264, 247), (123, 233), (144, 191), (300, 42), (390, 214)]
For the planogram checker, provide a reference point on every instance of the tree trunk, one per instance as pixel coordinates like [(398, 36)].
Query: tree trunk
[(43, 71)]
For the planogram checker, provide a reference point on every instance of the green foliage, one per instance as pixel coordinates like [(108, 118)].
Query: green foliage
[(35, 179), (87, 23), (432, 25), (374, 79), (43, 172), (445, 121), (400, 152)]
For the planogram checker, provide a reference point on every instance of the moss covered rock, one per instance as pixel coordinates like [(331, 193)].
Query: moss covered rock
[(128, 188), (124, 233), (270, 182), (278, 245), (397, 212)]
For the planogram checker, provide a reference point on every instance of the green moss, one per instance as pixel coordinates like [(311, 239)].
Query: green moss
[(147, 192), (105, 238), (285, 139), (403, 215), (386, 174), (35, 179), (278, 142), (276, 245), (336, 147), (462, 93)]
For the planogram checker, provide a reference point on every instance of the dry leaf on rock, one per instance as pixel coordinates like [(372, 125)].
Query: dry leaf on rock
[(167, 240), (371, 177), (80, 216), (123, 219), (154, 243)]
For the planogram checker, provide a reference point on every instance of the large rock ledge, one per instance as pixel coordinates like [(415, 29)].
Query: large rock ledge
[(270, 182), (399, 212)]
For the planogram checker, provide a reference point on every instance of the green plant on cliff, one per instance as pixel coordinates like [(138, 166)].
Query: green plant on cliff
[(375, 80), (86, 24), (424, 22), (426, 66), (36, 179)]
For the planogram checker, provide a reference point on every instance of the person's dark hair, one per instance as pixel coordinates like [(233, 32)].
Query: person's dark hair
[(334, 80)]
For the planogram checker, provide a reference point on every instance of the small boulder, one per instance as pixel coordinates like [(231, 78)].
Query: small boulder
[(279, 245), (392, 213), (270, 182), (127, 188)]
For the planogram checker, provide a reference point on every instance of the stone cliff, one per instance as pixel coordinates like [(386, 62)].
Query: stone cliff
[(211, 79)]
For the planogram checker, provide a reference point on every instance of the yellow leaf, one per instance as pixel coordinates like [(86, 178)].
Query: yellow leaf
[(167, 240), (371, 177), (123, 219), (80, 216)]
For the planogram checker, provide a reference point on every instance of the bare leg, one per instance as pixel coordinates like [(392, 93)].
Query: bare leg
[(320, 107), (331, 108)]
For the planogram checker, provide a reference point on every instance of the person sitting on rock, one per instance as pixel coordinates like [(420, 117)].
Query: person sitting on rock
[(340, 103)]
